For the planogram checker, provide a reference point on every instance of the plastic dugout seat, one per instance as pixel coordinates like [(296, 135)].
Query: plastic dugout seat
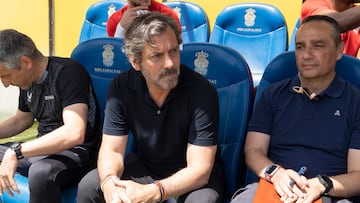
[(257, 30), (228, 71), (103, 59), (194, 21), (284, 66), (67, 196), (96, 18), (293, 34)]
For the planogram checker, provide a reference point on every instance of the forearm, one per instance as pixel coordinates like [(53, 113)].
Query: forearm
[(257, 161), (14, 126), (109, 163), (348, 19), (55, 141), (185, 180), (346, 185)]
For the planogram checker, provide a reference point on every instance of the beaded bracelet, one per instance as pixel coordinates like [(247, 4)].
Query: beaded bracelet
[(162, 191)]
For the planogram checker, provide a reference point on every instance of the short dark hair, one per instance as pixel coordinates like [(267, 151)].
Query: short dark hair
[(331, 21)]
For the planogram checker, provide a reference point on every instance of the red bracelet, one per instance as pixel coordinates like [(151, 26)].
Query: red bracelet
[(162, 191)]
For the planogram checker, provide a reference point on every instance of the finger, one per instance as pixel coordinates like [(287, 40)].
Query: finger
[(13, 185), (6, 185), (288, 193), (7, 189), (123, 196), (141, 8), (292, 199)]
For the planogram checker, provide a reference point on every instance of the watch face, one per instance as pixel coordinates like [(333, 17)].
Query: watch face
[(15, 146), (270, 169)]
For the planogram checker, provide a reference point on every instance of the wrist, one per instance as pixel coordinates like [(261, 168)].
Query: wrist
[(162, 192), (326, 182), (270, 171), (16, 147), (108, 179)]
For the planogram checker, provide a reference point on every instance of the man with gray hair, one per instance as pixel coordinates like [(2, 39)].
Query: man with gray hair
[(57, 93), (173, 114)]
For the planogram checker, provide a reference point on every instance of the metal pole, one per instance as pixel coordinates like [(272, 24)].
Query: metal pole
[(51, 27)]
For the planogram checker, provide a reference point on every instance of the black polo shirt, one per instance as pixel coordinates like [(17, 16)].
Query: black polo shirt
[(66, 83), (190, 114)]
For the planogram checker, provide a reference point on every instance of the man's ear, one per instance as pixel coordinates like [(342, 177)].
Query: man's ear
[(134, 63), (340, 50), (26, 62)]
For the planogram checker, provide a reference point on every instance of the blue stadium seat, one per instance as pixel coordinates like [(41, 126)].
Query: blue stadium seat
[(257, 30), (96, 18), (293, 34), (68, 195), (193, 19), (284, 66), (103, 59), (227, 70)]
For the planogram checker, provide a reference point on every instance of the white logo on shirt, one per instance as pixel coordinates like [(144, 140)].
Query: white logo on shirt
[(50, 97), (337, 113)]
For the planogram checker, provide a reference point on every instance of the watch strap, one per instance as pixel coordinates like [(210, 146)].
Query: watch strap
[(326, 182), (17, 149), (270, 171)]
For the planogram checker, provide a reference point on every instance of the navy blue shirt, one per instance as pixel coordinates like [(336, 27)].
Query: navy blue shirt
[(189, 115), (314, 133)]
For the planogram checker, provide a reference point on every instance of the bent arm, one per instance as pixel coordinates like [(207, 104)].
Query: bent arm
[(348, 19), (256, 149), (72, 133), (111, 156), (16, 124), (348, 185), (200, 161)]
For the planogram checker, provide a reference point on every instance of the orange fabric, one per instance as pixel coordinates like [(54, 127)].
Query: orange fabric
[(267, 193)]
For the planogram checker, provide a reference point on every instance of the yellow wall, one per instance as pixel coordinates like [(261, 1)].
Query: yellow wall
[(31, 17)]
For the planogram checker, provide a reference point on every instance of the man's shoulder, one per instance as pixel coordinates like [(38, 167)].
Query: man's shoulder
[(281, 84), (127, 79)]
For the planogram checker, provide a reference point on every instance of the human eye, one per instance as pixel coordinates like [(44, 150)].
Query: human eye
[(156, 57), (299, 47)]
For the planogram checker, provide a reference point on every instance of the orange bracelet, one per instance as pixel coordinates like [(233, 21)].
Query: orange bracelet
[(162, 191)]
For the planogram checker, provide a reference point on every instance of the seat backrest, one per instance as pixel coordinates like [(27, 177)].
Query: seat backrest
[(103, 59), (257, 30), (227, 70), (293, 34), (284, 66), (194, 21), (96, 18)]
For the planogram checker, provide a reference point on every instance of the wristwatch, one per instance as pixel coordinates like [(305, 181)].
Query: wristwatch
[(326, 182), (270, 171), (17, 149)]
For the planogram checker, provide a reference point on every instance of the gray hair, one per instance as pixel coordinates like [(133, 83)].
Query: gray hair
[(144, 28), (14, 45)]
